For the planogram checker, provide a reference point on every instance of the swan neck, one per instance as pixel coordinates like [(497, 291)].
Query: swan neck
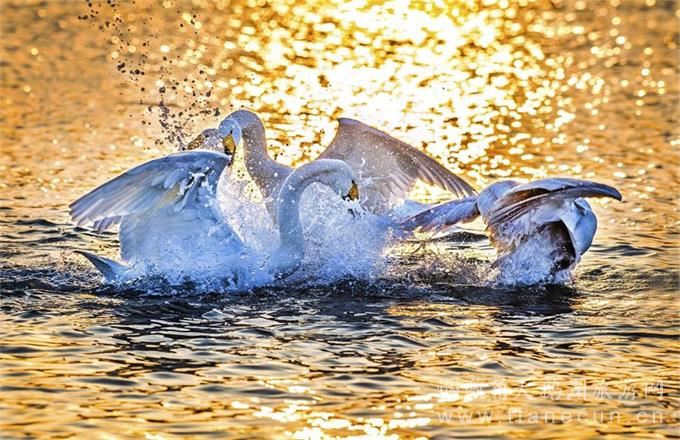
[(266, 172), (254, 140), (323, 171), (291, 250)]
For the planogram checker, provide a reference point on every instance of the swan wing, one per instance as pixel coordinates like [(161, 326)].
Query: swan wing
[(172, 179), (525, 198), (167, 203), (387, 167), (444, 215)]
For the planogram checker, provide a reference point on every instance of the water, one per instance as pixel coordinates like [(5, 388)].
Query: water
[(424, 347)]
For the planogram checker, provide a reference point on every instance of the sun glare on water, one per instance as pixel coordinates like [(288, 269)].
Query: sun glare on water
[(490, 88)]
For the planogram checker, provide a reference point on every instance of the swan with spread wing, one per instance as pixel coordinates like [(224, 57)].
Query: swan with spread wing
[(171, 223), (541, 227), (386, 168)]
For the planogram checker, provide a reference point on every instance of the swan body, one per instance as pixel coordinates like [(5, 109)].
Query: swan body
[(171, 223), (386, 167), (542, 227)]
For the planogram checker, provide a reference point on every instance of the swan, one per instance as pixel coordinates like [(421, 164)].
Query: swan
[(540, 228), (171, 222), (387, 168)]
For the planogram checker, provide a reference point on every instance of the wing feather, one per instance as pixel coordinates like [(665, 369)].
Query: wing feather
[(170, 179), (167, 209), (530, 196), (387, 167), (443, 216)]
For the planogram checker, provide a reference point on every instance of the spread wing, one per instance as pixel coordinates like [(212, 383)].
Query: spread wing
[(528, 197), (443, 216), (173, 179), (387, 167), (165, 203)]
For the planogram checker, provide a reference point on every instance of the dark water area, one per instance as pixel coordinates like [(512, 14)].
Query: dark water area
[(423, 348)]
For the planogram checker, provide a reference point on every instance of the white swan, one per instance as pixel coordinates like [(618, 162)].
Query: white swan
[(386, 167), (541, 227), (170, 220)]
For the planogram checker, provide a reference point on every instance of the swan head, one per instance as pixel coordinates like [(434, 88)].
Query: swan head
[(337, 175), (211, 139), (230, 133), (333, 173)]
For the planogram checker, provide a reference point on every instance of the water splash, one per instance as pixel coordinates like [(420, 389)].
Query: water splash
[(338, 244)]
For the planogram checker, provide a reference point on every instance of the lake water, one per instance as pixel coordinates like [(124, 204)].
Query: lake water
[(424, 348)]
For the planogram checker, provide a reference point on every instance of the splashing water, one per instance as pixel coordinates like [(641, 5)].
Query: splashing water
[(338, 244), (532, 262), (499, 88)]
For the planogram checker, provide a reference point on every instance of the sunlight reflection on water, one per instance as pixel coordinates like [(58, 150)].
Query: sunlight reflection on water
[(490, 88)]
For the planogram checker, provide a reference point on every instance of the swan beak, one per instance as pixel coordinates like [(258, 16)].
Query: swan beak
[(229, 145), (353, 193), (196, 143)]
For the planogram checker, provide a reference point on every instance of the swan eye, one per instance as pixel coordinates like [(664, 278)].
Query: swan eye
[(196, 143), (229, 144), (353, 193)]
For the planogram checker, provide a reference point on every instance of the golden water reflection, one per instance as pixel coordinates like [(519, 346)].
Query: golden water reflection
[(492, 89), (145, 366)]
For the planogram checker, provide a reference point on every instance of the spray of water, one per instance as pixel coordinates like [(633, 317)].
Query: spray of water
[(340, 240)]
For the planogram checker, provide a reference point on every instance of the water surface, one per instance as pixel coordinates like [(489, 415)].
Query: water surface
[(425, 348)]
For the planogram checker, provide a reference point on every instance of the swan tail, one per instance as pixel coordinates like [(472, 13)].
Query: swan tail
[(112, 270)]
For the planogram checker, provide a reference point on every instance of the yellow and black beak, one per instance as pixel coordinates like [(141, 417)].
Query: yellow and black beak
[(229, 145), (353, 193)]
